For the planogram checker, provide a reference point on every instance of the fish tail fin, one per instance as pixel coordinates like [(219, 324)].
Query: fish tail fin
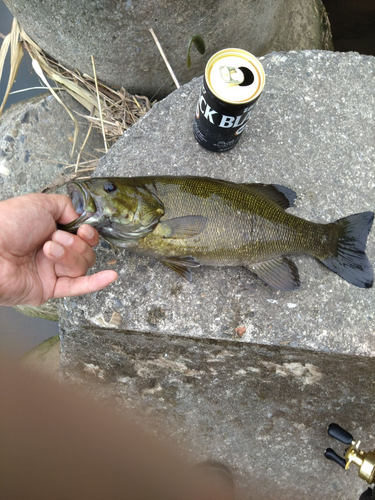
[(348, 259)]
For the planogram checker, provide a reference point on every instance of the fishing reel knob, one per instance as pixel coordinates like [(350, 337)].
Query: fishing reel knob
[(337, 432), (332, 455)]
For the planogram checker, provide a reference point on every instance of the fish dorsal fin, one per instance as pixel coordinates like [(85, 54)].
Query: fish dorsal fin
[(181, 227), (182, 265), (283, 196), (280, 273)]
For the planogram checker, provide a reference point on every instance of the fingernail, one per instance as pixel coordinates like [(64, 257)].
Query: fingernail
[(89, 232), (63, 238), (56, 250)]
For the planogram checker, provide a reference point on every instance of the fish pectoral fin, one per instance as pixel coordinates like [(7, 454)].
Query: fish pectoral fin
[(181, 227), (283, 196), (280, 273), (182, 265)]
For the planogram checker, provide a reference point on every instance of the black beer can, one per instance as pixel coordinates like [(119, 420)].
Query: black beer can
[(232, 83)]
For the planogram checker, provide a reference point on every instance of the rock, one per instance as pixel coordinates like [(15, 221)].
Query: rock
[(35, 145), (240, 372), (36, 138), (45, 357), (48, 310), (309, 131), (126, 55)]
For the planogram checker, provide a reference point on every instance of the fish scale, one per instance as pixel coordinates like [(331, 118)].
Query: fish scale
[(242, 227)]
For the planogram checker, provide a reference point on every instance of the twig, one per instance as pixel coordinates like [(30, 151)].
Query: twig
[(99, 106), (58, 182), (84, 142), (165, 58), (32, 88)]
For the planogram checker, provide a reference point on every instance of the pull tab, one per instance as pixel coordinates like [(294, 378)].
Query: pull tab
[(231, 74)]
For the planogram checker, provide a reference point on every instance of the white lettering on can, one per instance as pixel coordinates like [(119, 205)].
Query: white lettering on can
[(208, 112), (226, 121)]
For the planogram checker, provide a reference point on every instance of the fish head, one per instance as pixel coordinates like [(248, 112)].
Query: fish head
[(116, 207)]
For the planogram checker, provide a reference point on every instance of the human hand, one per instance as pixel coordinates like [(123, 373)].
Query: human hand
[(38, 262)]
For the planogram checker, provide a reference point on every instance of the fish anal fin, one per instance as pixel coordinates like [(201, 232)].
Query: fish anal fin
[(182, 227), (282, 195), (182, 265), (280, 273)]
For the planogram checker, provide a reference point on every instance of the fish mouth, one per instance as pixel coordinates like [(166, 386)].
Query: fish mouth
[(82, 199), (77, 196), (84, 204)]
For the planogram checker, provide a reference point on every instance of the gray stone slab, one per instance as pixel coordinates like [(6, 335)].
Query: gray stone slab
[(117, 34), (311, 130), (261, 410)]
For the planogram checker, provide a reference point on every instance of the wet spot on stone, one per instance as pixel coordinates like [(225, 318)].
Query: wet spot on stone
[(250, 314), (176, 288), (21, 178), (26, 157), (106, 245), (25, 118), (117, 304), (226, 330), (155, 315), (9, 138)]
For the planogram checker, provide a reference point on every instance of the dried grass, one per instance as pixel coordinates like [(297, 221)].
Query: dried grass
[(111, 111), (11, 42)]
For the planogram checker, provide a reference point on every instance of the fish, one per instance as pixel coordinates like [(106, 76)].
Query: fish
[(189, 221)]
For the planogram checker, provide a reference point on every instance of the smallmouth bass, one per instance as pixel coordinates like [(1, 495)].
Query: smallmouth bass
[(190, 221)]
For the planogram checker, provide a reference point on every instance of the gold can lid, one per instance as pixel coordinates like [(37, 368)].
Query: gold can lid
[(235, 76)]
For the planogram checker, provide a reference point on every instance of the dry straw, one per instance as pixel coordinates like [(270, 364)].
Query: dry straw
[(111, 111)]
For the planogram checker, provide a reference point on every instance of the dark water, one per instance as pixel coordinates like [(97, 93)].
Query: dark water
[(353, 25), (26, 77), (353, 29), (19, 334)]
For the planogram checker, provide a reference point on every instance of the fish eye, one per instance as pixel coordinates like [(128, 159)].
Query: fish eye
[(109, 187)]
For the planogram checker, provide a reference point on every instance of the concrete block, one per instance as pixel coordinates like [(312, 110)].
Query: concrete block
[(259, 397), (118, 36)]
